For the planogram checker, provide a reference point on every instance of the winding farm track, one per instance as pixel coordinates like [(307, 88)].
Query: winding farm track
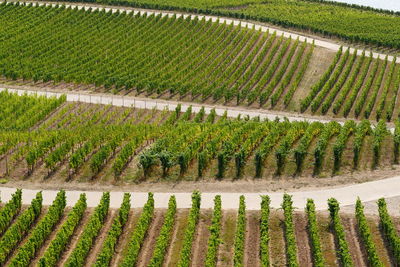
[(322, 43), (346, 195)]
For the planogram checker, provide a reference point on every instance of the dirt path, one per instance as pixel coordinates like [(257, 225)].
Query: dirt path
[(173, 253), (302, 240), (148, 244), (357, 252), (377, 237), (276, 243), (368, 191), (124, 239), (199, 248), (75, 237), (226, 248), (327, 240), (53, 234), (252, 242), (98, 242)]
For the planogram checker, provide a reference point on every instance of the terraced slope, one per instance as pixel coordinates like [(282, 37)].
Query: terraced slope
[(150, 55), (353, 24), (99, 143), (82, 236), (356, 86)]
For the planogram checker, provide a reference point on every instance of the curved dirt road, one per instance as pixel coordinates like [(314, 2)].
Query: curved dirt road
[(346, 195)]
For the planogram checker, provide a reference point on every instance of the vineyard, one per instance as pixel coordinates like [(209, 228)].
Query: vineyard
[(360, 87), (87, 142), (352, 24), (57, 235), (150, 55)]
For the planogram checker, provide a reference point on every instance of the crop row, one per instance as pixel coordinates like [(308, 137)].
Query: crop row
[(357, 86), (150, 54), (37, 233)]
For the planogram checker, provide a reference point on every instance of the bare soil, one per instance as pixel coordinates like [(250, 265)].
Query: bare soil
[(199, 248), (123, 242), (98, 242), (75, 237), (149, 242), (327, 240), (353, 239), (252, 241), (302, 240), (173, 253), (277, 249), (226, 249), (53, 234)]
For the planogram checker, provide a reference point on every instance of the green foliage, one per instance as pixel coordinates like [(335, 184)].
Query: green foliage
[(139, 233), (264, 231), (40, 233), (380, 133), (348, 129), (396, 141), (63, 236), (331, 129), (215, 230), (17, 231), (363, 129), (108, 248), (340, 235), (240, 234), (164, 237), (186, 251), (290, 236), (92, 229), (389, 230), (10, 210), (313, 233), (366, 236)]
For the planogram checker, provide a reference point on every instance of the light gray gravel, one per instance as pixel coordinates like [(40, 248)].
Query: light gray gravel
[(368, 192)]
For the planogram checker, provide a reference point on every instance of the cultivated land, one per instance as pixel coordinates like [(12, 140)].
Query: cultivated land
[(48, 143), (352, 24), (81, 236), (256, 69), (103, 144)]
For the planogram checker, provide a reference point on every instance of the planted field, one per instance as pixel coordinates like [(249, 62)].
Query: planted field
[(151, 55), (81, 236), (356, 86), (338, 20), (84, 142)]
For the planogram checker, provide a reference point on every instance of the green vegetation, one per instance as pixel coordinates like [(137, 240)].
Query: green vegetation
[(240, 234), (357, 87), (141, 228), (351, 23), (107, 251), (103, 141), (290, 235), (87, 238), (63, 237), (149, 54), (313, 232), (165, 235), (186, 252), (215, 230), (36, 241), (339, 232)]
